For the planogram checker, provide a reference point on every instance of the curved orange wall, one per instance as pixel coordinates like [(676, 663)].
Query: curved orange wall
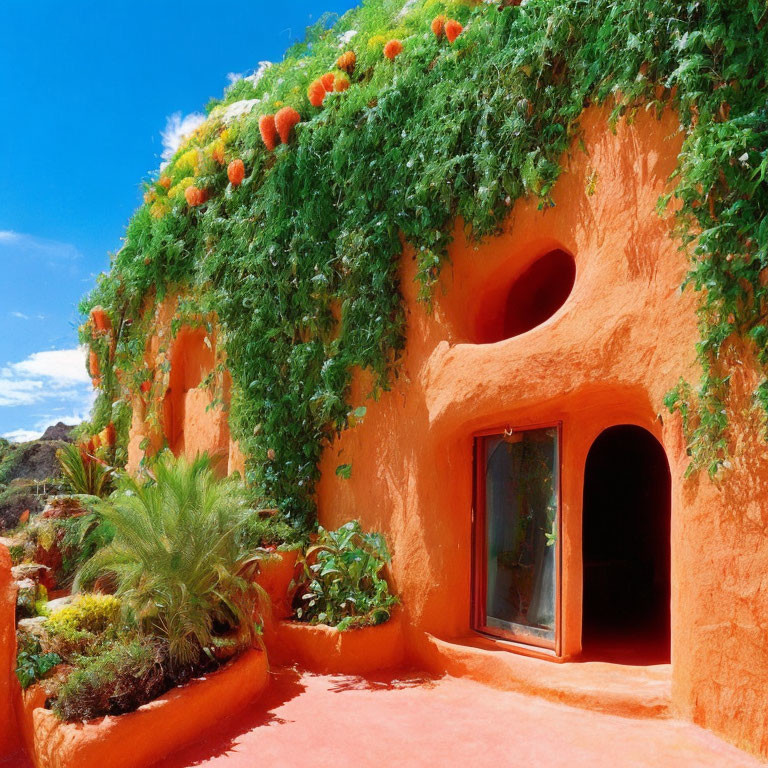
[(9, 739), (621, 340)]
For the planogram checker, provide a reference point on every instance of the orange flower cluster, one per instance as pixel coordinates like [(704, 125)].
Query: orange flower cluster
[(448, 27), (341, 84), (328, 83), (285, 121), (438, 25), (346, 62), (277, 128), (452, 30), (316, 93), (236, 172), (393, 49), (195, 196), (268, 131)]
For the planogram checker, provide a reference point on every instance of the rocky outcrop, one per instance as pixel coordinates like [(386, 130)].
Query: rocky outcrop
[(60, 431), (28, 472)]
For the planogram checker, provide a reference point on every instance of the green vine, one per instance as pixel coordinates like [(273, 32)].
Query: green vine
[(299, 263)]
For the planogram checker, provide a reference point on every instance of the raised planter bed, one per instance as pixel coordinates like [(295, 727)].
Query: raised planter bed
[(155, 730), (324, 649)]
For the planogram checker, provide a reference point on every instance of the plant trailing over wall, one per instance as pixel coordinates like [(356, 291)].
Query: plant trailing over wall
[(342, 584), (299, 262), (125, 675)]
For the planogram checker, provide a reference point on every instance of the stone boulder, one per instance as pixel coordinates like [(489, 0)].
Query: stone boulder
[(60, 431)]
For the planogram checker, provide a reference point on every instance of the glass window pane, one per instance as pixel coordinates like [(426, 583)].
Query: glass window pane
[(521, 497)]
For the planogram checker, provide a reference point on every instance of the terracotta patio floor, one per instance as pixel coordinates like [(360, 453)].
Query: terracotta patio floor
[(409, 720)]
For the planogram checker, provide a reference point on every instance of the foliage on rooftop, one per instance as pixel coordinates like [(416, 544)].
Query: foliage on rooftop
[(299, 260)]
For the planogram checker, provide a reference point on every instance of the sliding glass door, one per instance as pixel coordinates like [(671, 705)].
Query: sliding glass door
[(517, 510)]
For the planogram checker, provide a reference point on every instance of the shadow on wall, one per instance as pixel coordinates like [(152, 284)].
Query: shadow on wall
[(533, 296)]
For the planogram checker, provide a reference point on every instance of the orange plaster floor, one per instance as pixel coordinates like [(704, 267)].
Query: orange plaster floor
[(410, 720)]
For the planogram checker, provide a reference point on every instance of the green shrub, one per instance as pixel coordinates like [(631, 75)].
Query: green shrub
[(270, 531), (131, 672), (176, 559), (342, 584), (32, 664), (84, 473)]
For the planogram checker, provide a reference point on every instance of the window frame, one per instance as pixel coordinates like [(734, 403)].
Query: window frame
[(478, 620)]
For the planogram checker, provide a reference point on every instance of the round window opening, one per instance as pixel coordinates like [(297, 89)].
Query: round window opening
[(532, 298)]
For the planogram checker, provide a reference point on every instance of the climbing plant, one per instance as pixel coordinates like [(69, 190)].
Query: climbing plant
[(297, 257)]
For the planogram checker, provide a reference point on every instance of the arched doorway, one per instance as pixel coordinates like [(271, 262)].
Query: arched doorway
[(625, 546)]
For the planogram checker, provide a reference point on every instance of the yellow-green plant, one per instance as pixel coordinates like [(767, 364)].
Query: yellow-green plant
[(175, 556)]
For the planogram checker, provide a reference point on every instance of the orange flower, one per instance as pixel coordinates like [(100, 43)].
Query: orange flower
[(328, 79), (194, 196), (93, 365), (236, 172), (393, 49), (268, 131), (438, 25), (111, 434), (342, 83), (316, 93), (285, 121), (347, 61), (165, 182), (453, 29)]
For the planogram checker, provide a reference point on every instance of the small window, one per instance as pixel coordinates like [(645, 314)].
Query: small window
[(532, 298)]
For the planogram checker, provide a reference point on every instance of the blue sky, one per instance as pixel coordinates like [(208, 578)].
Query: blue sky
[(88, 89)]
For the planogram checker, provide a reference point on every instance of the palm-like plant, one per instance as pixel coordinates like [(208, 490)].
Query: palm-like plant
[(83, 472), (176, 560)]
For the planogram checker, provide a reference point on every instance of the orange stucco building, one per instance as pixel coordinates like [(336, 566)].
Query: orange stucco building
[(528, 478)]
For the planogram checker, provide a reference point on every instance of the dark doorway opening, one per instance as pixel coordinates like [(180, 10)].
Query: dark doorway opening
[(625, 544)]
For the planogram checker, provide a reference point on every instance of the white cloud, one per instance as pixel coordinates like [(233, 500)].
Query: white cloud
[(61, 366), (177, 128), (20, 315), (47, 376), (20, 392), (21, 435), (19, 245)]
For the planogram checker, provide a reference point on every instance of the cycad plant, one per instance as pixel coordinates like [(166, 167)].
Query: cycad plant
[(83, 472), (176, 560)]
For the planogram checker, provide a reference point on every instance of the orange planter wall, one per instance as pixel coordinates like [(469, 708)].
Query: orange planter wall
[(326, 650), (152, 732), (9, 739), (622, 339)]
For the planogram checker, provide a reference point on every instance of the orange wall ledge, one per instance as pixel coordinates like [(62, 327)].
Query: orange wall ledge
[(324, 649), (153, 731)]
